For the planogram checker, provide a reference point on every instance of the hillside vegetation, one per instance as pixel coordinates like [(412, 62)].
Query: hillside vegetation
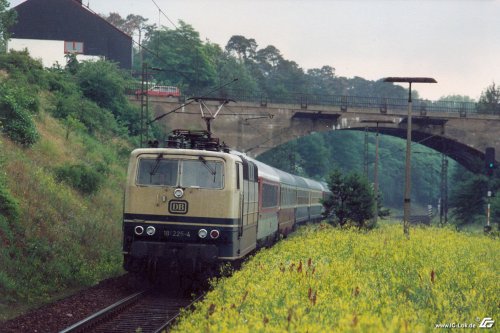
[(326, 279), (63, 160)]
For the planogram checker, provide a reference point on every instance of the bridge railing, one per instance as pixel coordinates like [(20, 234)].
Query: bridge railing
[(347, 102)]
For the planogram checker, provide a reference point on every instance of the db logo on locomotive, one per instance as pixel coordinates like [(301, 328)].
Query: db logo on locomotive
[(177, 207)]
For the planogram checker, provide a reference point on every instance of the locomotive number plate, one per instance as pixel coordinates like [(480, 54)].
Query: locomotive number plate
[(177, 233), (177, 206)]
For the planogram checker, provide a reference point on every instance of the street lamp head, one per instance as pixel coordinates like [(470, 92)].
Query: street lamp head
[(410, 79)]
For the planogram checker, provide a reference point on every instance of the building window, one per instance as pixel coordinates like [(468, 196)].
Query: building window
[(73, 47)]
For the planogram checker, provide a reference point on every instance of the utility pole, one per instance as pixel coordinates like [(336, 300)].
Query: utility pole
[(407, 192), (375, 166), (375, 176), (144, 100), (366, 153), (489, 159), (443, 211)]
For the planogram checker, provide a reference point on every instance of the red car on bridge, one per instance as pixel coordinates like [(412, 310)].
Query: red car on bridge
[(161, 91)]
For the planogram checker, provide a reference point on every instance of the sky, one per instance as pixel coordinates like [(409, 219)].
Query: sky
[(457, 42)]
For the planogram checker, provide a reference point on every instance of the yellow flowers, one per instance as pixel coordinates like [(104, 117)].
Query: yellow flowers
[(324, 279)]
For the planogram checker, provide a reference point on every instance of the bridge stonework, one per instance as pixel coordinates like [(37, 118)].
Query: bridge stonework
[(254, 128)]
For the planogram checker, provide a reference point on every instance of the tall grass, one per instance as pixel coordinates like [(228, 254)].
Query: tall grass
[(330, 280)]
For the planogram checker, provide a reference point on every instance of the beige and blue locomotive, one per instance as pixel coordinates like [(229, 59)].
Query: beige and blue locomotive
[(188, 208)]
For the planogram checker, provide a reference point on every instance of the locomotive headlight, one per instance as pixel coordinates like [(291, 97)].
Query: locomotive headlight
[(202, 233), (150, 231), (178, 193), (139, 230)]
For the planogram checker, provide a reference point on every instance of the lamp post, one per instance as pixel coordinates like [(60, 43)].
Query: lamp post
[(407, 201)]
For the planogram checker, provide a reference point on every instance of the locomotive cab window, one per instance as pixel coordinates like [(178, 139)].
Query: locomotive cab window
[(158, 172), (200, 173)]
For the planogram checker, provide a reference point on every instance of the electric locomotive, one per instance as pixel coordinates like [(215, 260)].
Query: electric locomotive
[(195, 203)]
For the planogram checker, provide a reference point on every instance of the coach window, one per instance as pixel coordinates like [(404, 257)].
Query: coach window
[(269, 195)]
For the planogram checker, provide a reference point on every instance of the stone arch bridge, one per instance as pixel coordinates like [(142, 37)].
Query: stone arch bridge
[(255, 127)]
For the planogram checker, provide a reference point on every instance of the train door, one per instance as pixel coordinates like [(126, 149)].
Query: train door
[(247, 183)]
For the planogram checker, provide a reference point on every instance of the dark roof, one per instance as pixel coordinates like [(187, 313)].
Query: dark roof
[(69, 20), (40, 10)]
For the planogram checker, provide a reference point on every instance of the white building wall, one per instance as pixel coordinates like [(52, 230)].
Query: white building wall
[(49, 52)]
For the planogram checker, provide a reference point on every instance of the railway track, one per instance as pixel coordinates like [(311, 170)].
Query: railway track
[(144, 311)]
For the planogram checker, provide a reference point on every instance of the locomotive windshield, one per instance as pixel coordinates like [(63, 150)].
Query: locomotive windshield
[(158, 172), (200, 173)]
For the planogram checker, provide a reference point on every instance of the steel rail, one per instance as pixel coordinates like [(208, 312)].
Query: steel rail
[(170, 321), (100, 315)]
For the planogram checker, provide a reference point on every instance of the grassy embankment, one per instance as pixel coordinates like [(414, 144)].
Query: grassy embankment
[(63, 239), (329, 280)]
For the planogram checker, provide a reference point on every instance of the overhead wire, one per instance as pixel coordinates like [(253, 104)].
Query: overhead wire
[(162, 12)]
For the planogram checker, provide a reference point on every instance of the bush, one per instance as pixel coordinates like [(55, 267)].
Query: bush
[(61, 81), (103, 83), (15, 118), (85, 111), (22, 129), (21, 66), (352, 199), (81, 177), (9, 206)]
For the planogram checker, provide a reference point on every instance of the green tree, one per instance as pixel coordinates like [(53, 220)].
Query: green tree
[(456, 98), (72, 125), (228, 68), (313, 156), (115, 19), (495, 209), (7, 19), (321, 81), (285, 157), (352, 199), (489, 102), (182, 57), (468, 199), (245, 48), (104, 83), (129, 24), (277, 76)]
